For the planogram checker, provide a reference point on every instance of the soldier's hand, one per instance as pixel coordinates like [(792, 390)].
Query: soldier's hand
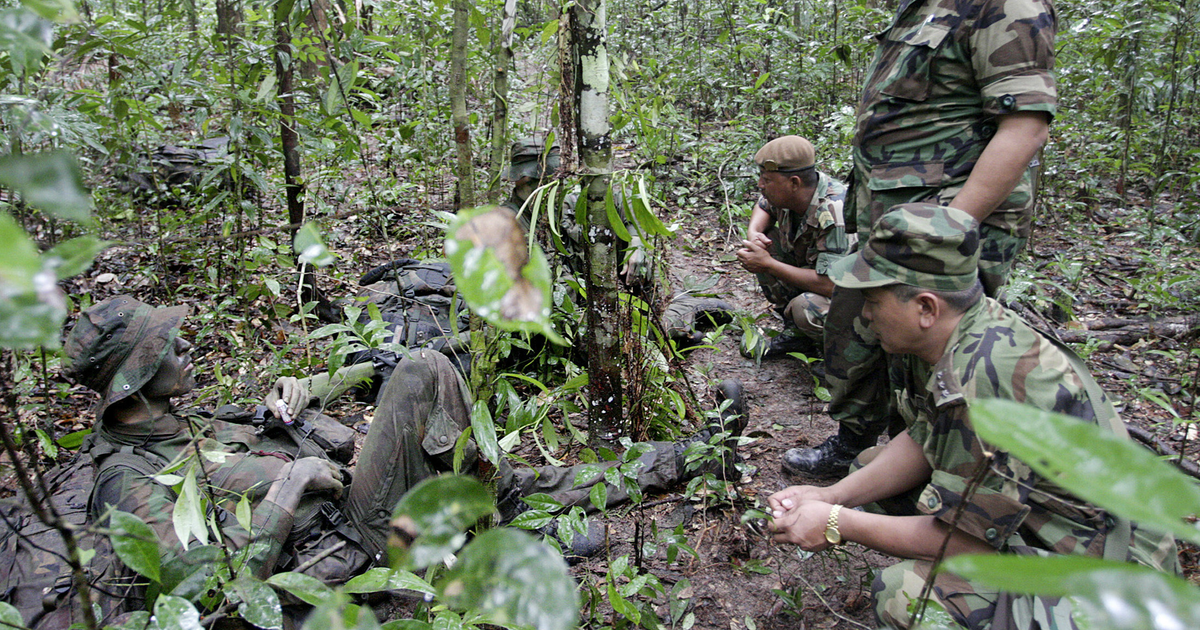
[(803, 525), (317, 474), (291, 391), (754, 257), (787, 499), (758, 237)]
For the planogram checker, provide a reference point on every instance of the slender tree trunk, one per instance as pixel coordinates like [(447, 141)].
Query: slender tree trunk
[(458, 103), (605, 398), (504, 57), (229, 17), (289, 140), (566, 91)]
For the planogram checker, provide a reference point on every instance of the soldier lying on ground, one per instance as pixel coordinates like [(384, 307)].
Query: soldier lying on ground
[(303, 502), (949, 346)]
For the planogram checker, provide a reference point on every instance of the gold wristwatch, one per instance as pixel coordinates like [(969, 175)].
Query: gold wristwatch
[(831, 528)]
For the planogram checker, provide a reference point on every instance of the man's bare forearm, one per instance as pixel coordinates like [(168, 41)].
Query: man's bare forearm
[(1002, 163)]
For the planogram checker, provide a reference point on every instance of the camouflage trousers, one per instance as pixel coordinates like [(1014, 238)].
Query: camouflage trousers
[(856, 366), (803, 309), (421, 412), (897, 588)]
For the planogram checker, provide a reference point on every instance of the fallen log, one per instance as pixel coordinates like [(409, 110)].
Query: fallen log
[(1130, 331), (1159, 446)]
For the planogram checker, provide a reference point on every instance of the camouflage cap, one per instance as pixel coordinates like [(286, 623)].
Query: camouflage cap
[(787, 154), (117, 346), (919, 244), (525, 160)]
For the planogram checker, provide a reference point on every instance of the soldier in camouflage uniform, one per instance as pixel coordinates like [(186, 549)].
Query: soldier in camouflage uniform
[(796, 231), (132, 354), (924, 300), (956, 105)]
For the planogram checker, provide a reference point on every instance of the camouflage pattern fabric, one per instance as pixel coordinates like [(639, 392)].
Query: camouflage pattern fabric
[(812, 241), (994, 354), (918, 244), (942, 72), (807, 312)]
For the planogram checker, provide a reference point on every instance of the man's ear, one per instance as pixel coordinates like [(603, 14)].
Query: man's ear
[(929, 308)]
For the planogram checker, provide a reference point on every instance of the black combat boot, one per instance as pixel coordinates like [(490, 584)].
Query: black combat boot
[(830, 458)]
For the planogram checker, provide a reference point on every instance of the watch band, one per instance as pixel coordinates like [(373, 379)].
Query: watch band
[(832, 533)]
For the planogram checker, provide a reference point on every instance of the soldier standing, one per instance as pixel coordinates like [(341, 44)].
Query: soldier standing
[(956, 105)]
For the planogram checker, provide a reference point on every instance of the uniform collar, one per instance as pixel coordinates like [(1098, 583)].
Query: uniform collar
[(944, 381)]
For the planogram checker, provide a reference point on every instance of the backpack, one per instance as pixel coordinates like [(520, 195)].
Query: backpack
[(35, 576), (420, 304)]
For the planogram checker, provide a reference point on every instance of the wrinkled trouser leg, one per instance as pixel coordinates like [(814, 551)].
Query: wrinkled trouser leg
[(423, 393), (571, 485), (969, 605), (807, 312), (855, 368)]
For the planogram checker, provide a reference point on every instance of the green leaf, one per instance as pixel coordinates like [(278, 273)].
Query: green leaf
[(49, 181), (73, 257), (1093, 464), (32, 308), (310, 248), (176, 613), (1112, 595), (542, 501), (73, 440), (383, 579), (645, 217), (243, 512), (136, 545), (188, 513), (10, 616), (614, 218), (508, 288), (438, 511), (599, 496), (266, 89), (304, 587), (514, 580), (26, 37), (484, 429), (259, 603)]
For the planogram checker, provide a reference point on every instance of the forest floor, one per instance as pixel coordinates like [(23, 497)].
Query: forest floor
[(1103, 262)]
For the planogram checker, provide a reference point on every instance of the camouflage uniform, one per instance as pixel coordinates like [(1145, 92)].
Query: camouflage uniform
[(992, 353), (813, 241), (942, 73)]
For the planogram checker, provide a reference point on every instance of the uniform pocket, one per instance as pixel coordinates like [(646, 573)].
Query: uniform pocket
[(912, 49)]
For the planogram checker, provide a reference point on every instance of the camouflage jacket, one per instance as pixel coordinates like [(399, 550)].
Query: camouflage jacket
[(943, 71), (819, 237), (236, 463), (994, 354)]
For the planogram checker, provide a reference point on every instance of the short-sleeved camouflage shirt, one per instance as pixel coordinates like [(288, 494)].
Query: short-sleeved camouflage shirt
[(943, 71), (994, 354), (819, 238)]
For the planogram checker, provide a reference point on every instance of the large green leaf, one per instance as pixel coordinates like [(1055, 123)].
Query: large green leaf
[(383, 579), (32, 307), (1111, 595), (307, 588), (175, 613), (136, 545), (1093, 464), (484, 429), (310, 248), (49, 181), (73, 257), (437, 512), (503, 281), (259, 604), (515, 580), (26, 37), (10, 616)]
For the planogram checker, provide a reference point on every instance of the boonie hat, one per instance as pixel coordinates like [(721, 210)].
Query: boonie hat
[(525, 160), (117, 346), (919, 244), (786, 154)]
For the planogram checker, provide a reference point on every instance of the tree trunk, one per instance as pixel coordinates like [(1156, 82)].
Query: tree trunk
[(289, 140), (566, 91), (458, 104), (229, 17), (504, 57), (602, 337)]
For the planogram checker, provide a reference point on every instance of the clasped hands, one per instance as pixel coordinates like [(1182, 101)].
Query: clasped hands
[(799, 515), (755, 254)]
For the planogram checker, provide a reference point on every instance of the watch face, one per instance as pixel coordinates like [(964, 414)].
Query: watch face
[(833, 536)]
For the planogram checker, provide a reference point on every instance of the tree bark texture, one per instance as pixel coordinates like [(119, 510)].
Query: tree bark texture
[(458, 103), (605, 400), (229, 17), (504, 58), (289, 140), (567, 87)]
